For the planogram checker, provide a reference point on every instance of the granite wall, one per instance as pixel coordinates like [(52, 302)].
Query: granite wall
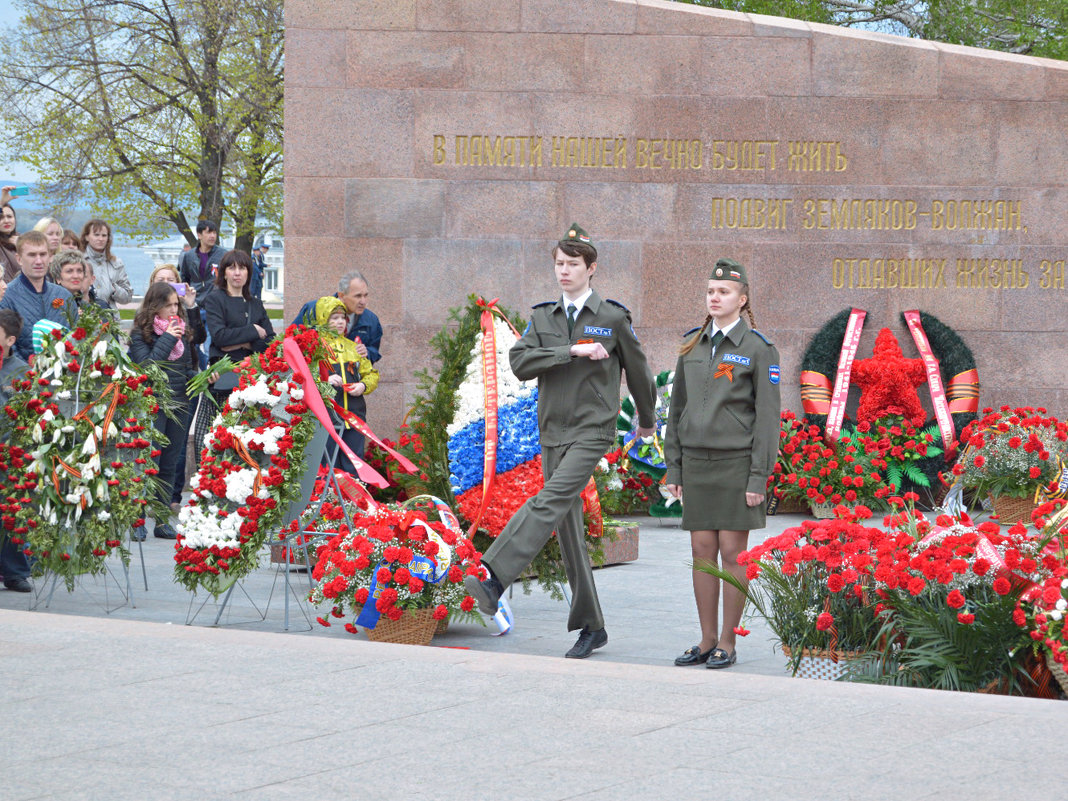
[(442, 146)]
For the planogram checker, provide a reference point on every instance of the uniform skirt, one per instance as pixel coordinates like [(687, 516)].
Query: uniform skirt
[(713, 492)]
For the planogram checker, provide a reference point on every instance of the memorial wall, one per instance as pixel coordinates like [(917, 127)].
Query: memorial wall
[(442, 147)]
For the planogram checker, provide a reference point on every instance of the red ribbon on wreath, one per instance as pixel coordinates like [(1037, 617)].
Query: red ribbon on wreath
[(488, 358)]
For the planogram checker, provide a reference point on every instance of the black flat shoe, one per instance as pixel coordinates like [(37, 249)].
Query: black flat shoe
[(18, 584), (165, 532), (587, 642), (694, 656), (486, 593), (721, 659)]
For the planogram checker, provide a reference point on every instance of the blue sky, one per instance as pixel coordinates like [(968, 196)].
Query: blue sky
[(18, 172)]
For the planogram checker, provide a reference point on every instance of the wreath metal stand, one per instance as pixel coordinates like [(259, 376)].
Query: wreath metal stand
[(108, 573), (302, 540)]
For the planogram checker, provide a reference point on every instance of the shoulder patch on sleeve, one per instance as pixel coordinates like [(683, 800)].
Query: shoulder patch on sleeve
[(766, 340), (543, 303), (617, 303)]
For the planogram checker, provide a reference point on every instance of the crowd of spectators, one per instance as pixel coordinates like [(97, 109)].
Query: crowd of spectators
[(192, 315)]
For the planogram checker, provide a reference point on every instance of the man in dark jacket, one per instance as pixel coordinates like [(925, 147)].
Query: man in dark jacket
[(197, 268), (31, 294), (364, 327)]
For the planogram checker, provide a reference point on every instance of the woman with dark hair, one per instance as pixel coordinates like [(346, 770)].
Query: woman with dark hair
[(8, 236), (71, 241), (237, 322), (721, 443), (112, 283), (162, 333)]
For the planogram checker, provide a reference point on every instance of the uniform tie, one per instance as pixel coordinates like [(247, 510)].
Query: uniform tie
[(716, 339), (571, 311)]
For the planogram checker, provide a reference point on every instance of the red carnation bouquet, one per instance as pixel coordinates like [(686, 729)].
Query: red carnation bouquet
[(1012, 451), (398, 559)]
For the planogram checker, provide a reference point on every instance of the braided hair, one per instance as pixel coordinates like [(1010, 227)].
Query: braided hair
[(689, 344)]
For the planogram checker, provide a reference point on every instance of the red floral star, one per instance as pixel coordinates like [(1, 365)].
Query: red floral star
[(888, 382)]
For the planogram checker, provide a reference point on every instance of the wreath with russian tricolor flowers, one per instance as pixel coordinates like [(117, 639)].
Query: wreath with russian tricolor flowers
[(78, 467)]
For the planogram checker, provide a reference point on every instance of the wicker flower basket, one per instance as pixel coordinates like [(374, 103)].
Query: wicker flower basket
[(822, 511), (415, 627), (787, 506), (822, 664), (1058, 672), (1012, 510)]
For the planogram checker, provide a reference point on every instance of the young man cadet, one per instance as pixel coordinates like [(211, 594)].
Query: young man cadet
[(577, 348)]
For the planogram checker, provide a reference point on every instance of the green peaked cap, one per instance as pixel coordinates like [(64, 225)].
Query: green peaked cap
[(728, 270), (576, 234)]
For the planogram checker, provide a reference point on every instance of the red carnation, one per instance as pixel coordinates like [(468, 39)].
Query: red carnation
[(1002, 585), (824, 621), (955, 599), (967, 618)]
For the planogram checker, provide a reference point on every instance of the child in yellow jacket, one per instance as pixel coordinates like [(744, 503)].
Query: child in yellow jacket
[(351, 374)]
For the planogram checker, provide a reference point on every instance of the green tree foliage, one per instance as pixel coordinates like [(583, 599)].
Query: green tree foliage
[(1031, 27), (150, 110)]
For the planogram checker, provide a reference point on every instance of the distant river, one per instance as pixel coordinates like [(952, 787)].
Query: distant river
[(138, 267)]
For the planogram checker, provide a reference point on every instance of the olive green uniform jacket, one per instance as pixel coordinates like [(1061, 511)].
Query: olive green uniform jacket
[(727, 403), (578, 398)]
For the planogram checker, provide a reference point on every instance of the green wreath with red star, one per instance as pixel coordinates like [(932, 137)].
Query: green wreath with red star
[(888, 384)]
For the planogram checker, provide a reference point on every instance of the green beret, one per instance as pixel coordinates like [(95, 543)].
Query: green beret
[(575, 235), (728, 270)]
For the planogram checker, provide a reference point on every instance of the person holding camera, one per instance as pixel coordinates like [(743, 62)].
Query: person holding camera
[(161, 333)]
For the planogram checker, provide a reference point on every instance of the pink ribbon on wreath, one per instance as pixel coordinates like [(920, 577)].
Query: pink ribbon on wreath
[(845, 368), (355, 421), (295, 359), (934, 380)]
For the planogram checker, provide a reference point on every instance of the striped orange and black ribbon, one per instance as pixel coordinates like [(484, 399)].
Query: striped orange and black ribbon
[(963, 392), (815, 393)]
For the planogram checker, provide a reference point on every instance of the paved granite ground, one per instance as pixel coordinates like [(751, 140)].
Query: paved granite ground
[(136, 704)]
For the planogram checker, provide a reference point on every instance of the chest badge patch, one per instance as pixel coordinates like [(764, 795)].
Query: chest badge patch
[(725, 369), (596, 331), (736, 359)]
